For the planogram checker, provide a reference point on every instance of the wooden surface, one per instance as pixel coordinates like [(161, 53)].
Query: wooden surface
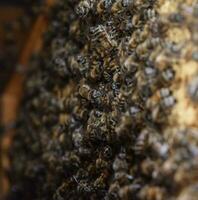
[(13, 93)]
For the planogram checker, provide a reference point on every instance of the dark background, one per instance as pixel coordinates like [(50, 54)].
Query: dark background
[(16, 2)]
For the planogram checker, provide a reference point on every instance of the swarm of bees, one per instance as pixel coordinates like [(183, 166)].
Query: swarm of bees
[(109, 110)]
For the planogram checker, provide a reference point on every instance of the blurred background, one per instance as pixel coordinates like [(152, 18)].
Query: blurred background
[(16, 19), (22, 24)]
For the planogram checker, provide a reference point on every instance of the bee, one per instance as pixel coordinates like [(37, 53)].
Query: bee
[(136, 111), (130, 67), (123, 128), (95, 136), (165, 92), (60, 62), (100, 36), (176, 18), (103, 5), (189, 193), (134, 41), (141, 143), (193, 89), (168, 102), (80, 113), (85, 91), (126, 3), (145, 92), (100, 182), (77, 138), (58, 43), (84, 188), (167, 75), (83, 152), (95, 71), (158, 28), (101, 164), (98, 32), (152, 193), (118, 78), (111, 29), (73, 66), (84, 64), (120, 163), (195, 56), (97, 97), (128, 191), (120, 5), (148, 167), (113, 191), (84, 7), (136, 23), (147, 45), (149, 14), (122, 177), (120, 102), (116, 89), (195, 10), (107, 152), (182, 175), (111, 65), (150, 72), (96, 129), (158, 146)]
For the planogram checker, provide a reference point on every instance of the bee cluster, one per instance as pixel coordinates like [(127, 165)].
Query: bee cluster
[(101, 115)]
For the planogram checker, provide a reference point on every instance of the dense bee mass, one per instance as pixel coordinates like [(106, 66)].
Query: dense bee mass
[(109, 110)]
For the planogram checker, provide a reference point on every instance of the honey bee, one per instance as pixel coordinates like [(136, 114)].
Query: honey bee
[(150, 72), (190, 193), (141, 143), (84, 7), (176, 18), (111, 29), (85, 91), (100, 36), (195, 56), (128, 191), (168, 75), (79, 113), (148, 167), (130, 67), (150, 14), (100, 182), (147, 45), (107, 152), (84, 64), (84, 188), (95, 71), (98, 32), (103, 5), (101, 164), (120, 163), (165, 92), (152, 193), (121, 102), (120, 5), (59, 62), (122, 129), (168, 102), (193, 89), (134, 41), (77, 138)]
